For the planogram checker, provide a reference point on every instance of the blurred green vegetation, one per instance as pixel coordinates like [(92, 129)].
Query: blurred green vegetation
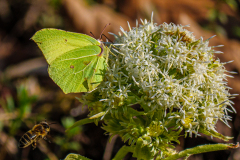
[(218, 19), (66, 143)]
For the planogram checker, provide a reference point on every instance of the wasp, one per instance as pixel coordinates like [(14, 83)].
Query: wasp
[(39, 131)]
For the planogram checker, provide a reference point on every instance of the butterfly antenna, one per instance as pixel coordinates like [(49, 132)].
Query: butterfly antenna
[(103, 30), (107, 38), (93, 35)]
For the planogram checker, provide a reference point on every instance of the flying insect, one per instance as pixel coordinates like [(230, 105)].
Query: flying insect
[(39, 131)]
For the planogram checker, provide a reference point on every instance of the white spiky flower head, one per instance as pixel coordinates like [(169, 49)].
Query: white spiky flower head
[(166, 70)]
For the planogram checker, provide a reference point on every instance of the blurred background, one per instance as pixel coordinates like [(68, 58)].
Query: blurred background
[(28, 95)]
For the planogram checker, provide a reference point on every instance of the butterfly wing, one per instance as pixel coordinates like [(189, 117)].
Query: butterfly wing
[(55, 42), (76, 64), (78, 70)]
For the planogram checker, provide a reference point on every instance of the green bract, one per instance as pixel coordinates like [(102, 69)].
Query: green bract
[(77, 61), (73, 156)]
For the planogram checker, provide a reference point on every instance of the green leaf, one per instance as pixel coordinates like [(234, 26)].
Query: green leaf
[(100, 114), (142, 151), (215, 134), (72, 156), (80, 123), (77, 61)]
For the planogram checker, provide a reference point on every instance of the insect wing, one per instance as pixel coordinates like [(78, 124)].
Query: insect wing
[(79, 70), (54, 42)]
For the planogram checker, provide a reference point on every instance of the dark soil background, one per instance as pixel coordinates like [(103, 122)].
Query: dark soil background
[(28, 95)]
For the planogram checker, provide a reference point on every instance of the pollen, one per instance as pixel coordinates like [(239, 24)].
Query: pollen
[(187, 122), (155, 129)]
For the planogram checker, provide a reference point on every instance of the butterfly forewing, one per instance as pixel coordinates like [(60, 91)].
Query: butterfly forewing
[(55, 42)]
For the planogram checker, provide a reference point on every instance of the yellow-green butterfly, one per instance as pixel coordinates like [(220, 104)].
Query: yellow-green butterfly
[(77, 62)]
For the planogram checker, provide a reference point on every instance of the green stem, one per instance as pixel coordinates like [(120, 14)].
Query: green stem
[(201, 149), (123, 152)]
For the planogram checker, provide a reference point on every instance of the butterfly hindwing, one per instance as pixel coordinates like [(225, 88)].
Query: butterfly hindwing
[(77, 69)]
